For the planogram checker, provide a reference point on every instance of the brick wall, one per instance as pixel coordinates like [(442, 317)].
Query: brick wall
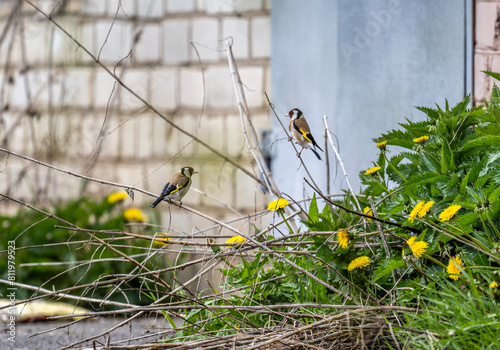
[(486, 47), (60, 107)]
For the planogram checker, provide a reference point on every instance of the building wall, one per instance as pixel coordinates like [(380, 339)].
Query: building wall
[(60, 107), (486, 48), (365, 65)]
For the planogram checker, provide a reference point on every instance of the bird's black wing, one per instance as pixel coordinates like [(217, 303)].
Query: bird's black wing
[(167, 189), (307, 136), (314, 141)]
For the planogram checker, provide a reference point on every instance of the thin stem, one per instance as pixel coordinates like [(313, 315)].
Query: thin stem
[(243, 109), (435, 261), (422, 272), (472, 240), (392, 223), (483, 267), (394, 168), (282, 213), (340, 161)]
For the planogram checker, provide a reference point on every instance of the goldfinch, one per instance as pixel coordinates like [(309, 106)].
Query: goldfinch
[(177, 187), (301, 132)]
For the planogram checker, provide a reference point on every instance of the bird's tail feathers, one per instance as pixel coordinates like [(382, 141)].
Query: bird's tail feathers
[(156, 202), (316, 153)]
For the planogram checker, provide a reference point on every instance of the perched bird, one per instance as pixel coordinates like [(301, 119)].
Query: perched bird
[(177, 187), (301, 132)]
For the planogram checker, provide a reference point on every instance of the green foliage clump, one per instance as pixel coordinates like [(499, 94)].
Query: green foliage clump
[(431, 240), (55, 257)]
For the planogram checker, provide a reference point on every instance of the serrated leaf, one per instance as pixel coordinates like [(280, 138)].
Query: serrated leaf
[(326, 213), (416, 129), (463, 184), (381, 163), (481, 182), (492, 74), (494, 100), (398, 138), (468, 220), (461, 107), (429, 163), (318, 240), (479, 164), (493, 155), (493, 211), (488, 129), (431, 113), (446, 159), (386, 267), (495, 175), (481, 143), (405, 169), (494, 195), (313, 209), (424, 178), (452, 181), (397, 208), (413, 157), (325, 253)]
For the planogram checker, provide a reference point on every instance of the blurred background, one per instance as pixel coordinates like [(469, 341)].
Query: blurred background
[(60, 107), (364, 64)]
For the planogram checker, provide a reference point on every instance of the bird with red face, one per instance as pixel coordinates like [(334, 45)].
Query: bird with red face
[(301, 132)]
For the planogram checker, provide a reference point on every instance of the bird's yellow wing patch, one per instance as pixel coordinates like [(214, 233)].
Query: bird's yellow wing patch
[(177, 189), (304, 134)]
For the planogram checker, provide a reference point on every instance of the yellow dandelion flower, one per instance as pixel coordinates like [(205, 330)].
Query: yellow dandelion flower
[(372, 170), (411, 240), (421, 139), (368, 211), (415, 211), (277, 204), (425, 209), (343, 238), (494, 285), (236, 239), (453, 269), (134, 214), (449, 212), (359, 263), (381, 145), (117, 197), (418, 248)]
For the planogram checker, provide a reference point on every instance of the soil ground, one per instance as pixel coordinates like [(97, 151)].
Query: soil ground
[(148, 329)]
